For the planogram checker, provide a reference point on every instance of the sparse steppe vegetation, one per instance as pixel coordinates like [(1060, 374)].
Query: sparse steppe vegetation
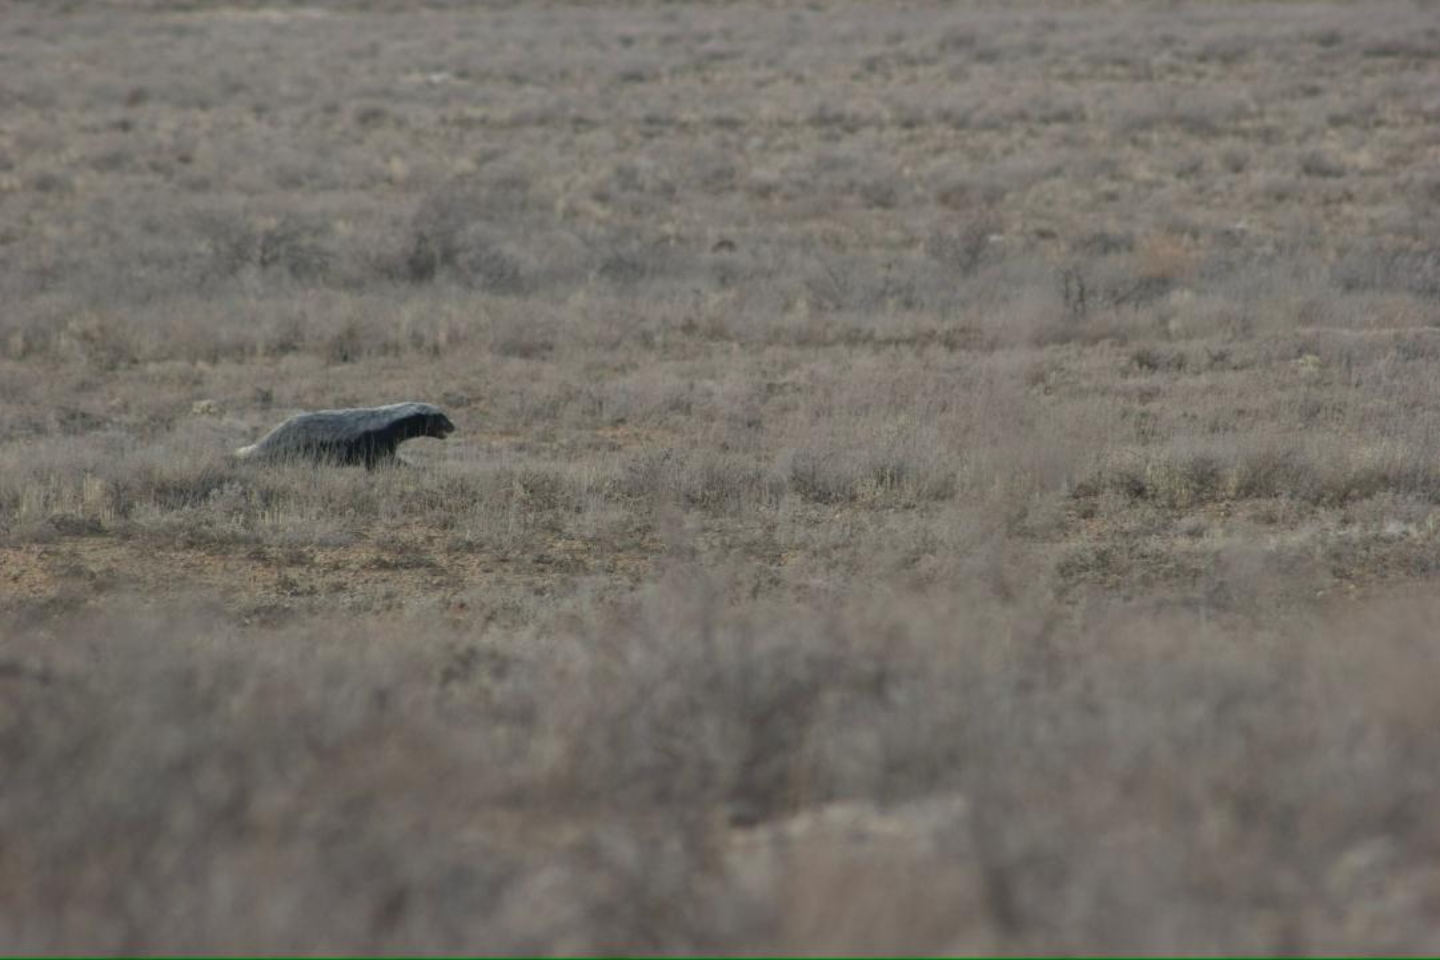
[(929, 477)]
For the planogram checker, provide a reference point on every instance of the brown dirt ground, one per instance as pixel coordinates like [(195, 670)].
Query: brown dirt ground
[(366, 575)]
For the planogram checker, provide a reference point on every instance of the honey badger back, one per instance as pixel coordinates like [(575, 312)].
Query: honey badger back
[(365, 435)]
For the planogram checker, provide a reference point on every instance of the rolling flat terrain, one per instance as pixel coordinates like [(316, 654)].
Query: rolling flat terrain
[(928, 477)]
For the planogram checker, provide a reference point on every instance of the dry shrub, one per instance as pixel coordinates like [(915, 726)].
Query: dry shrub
[(457, 233), (1323, 474), (289, 243), (897, 475), (1384, 267), (1124, 780), (1165, 257), (703, 480)]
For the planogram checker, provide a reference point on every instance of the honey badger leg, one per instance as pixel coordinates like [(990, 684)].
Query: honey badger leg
[(378, 454)]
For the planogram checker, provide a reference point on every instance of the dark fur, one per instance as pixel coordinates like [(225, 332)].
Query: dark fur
[(366, 435)]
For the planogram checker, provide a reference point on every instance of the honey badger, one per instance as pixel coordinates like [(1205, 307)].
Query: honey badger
[(365, 435)]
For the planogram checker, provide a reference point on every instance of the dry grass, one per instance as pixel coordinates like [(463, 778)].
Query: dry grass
[(928, 478), (683, 772)]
